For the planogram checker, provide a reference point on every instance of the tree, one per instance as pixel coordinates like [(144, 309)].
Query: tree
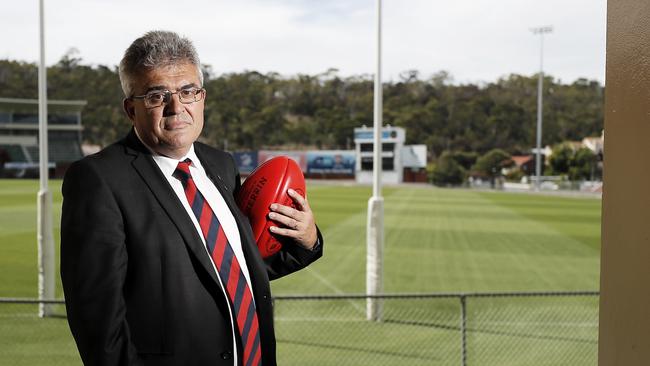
[(561, 157), (490, 164), (250, 110), (465, 159), (18, 79), (580, 164), (583, 165), (448, 171)]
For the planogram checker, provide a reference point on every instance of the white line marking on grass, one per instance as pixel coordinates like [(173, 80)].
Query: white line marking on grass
[(20, 315), (334, 288), (341, 230)]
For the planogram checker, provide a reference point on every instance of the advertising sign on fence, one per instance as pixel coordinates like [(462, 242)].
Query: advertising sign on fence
[(338, 164), (246, 161), (299, 157), (331, 162)]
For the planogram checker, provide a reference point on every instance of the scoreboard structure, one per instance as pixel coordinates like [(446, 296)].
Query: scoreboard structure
[(392, 142)]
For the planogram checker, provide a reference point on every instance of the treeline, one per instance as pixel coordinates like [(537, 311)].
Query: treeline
[(250, 110)]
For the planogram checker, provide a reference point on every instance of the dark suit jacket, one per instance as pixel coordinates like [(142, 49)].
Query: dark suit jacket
[(139, 285)]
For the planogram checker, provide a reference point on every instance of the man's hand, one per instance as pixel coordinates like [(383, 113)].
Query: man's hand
[(297, 223)]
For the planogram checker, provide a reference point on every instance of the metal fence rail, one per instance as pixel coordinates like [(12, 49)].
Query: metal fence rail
[(521, 328)]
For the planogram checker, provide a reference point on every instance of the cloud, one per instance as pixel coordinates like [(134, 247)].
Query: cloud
[(472, 39)]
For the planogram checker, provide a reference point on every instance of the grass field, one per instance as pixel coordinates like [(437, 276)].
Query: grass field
[(440, 240), (437, 240), (443, 240)]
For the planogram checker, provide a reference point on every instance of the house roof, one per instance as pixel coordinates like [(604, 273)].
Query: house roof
[(520, 160)]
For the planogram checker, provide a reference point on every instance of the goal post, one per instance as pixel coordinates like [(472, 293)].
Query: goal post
[(44, 200), (374, 258), (46, 270), (375, 226)]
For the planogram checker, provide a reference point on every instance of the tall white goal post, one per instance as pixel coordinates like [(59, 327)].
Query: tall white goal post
[(375, 225), (45, 239)]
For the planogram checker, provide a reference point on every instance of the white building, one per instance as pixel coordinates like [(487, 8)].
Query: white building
[(395, 156)]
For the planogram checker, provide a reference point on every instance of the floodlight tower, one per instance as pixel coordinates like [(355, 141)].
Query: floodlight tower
[(538, 162)]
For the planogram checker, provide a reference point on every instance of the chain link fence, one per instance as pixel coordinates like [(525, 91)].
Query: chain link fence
[(542, 328)]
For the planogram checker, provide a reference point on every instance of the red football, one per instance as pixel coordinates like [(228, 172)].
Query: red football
[(268, 184)]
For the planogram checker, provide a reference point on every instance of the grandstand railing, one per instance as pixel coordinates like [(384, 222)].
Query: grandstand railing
[(497, 328)]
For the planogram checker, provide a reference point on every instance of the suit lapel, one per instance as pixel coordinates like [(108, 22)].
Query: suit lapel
[(145, 166), (215, 172)]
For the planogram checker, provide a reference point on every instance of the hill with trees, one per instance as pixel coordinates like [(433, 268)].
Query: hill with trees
[(250, 110)]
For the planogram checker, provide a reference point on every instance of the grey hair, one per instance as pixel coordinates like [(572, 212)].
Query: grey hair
[(156, 49)]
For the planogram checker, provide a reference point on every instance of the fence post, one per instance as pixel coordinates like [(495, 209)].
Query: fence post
[(463, 329)]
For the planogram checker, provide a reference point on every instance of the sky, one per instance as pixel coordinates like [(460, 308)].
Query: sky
[(475, 41)]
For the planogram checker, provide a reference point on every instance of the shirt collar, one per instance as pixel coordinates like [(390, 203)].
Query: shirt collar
[(168, 165)]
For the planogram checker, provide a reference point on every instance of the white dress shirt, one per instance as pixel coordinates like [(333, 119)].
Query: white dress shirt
[(219, 207), (212, 196)]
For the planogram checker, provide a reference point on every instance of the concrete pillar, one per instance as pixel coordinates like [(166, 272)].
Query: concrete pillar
[(625, 266)]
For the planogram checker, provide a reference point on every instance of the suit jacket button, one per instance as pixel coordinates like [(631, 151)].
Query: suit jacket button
[(227, 355)]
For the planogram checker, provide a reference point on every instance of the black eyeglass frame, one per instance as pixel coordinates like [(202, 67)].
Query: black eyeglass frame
[(196, 96)]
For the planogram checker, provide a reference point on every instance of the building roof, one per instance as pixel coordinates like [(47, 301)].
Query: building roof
[(414, 156), (520, 160), (594, 144), (19, 104)]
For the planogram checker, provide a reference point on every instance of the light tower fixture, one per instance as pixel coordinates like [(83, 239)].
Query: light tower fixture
[(538, 151)]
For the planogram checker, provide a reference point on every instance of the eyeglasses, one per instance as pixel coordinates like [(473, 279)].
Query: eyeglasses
[(157, 98)]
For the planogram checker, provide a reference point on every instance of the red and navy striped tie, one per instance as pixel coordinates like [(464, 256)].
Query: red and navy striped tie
[(241, 298)]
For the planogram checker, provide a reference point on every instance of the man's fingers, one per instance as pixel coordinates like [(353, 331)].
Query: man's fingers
[(287, 221), (300, 201), (297, 223), (284, 232), (285, 210)]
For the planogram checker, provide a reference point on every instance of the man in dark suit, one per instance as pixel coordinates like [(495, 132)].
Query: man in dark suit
[(159, 266)]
